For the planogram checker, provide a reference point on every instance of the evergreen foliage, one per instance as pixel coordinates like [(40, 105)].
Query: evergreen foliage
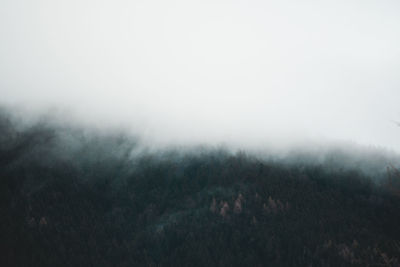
[(74, 199)]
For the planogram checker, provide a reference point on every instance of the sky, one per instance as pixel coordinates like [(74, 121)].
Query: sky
[(248, 72)]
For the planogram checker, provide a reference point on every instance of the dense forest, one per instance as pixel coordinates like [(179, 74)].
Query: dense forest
[(76, 197)]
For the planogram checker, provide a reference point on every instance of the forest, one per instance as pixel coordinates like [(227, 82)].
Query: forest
[(76, 197)]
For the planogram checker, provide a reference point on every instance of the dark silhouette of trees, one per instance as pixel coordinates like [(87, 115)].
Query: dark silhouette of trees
[(74, 199)]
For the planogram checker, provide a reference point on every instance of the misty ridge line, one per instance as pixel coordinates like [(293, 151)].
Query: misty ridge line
[(52, 140), (199, 133), (272, 69), (63, 182)]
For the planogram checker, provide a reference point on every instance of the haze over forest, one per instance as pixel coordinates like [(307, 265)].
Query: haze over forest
[(199, 133), (250, 73)]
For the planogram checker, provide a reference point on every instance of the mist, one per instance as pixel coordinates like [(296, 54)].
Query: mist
[(252, 74)]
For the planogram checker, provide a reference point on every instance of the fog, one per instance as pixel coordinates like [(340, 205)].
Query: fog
[(251, 73)]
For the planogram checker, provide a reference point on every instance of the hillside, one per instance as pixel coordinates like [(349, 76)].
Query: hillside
[(71, 197)]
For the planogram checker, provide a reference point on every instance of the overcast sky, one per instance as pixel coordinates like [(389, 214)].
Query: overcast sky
[(209, 71)]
